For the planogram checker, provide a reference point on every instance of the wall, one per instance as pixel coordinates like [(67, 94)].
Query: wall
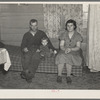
[(15, 21), (0, 23), (84, 35)]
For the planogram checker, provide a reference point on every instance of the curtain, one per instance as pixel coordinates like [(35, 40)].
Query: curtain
[(52, 19), (94, 38), (56, 15)]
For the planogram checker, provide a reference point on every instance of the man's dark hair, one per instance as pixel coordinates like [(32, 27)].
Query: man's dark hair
[(32, 21), (71, 21)]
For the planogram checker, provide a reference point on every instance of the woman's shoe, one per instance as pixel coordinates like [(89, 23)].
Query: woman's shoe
[(59, 79), (68, 79)]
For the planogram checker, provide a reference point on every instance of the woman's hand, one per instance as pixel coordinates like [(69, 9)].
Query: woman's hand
[(68, 50)]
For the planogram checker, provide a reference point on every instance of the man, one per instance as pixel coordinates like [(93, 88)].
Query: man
[(30, 50)]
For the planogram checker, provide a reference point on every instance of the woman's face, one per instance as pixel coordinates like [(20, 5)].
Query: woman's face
[(70, 27)]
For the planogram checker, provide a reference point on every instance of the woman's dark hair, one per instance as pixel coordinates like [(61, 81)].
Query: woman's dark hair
[(32, 21), (71, 21)]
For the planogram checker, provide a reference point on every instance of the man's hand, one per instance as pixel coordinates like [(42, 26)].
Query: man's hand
[(37, 50), (68, 50), (25, 50)]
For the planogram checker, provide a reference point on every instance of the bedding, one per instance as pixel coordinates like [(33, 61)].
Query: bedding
[(46, 66)]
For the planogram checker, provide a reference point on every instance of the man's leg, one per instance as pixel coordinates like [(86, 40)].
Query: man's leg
[(32, 66), (26, 57), (35, 61)]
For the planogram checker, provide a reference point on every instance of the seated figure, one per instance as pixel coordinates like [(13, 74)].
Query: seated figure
[(70, 43), (45, 49)]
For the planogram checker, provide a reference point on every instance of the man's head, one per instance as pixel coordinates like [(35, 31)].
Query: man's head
[(44, 41), (33, 25)]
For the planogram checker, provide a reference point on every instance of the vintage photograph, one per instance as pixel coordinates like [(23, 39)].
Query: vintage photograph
[(50, 46)]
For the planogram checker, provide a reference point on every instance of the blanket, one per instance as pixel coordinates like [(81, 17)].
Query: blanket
[(46, 66)]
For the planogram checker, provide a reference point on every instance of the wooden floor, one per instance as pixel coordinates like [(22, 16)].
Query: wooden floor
[(12, 80)]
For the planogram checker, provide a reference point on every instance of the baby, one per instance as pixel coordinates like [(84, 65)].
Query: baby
[(45, 50)]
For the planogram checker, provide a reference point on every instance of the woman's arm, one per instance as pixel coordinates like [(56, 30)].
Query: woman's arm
[(62, 42), (78, 46)]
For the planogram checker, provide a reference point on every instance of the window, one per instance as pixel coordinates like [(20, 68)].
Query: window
[(85, 15)]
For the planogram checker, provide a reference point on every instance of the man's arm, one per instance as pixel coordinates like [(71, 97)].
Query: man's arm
[(24, 44), (49, 43)]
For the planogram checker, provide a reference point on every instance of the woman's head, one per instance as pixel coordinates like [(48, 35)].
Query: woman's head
[(71, 25)]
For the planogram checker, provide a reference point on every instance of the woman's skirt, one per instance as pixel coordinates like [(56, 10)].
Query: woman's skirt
[(72, 58)]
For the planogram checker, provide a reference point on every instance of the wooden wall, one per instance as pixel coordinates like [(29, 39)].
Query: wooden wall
[(14, 21)]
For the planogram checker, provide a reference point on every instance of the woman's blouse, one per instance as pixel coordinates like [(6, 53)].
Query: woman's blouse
[(71, 43)]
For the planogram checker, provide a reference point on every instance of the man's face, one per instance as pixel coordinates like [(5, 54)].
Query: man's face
[(70, 27), (44, 42), (34, 26)]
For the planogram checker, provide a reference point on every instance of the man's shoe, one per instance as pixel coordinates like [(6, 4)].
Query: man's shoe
[(59, 79), (22, 76), (29, 80), (68, 79)]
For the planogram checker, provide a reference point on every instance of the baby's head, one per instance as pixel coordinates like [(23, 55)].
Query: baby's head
[(44, 41)]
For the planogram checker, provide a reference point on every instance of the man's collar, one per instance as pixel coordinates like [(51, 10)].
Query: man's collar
[(33, 32)]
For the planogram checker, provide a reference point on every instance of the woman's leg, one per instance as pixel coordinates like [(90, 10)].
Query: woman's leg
[(60, 69), (60, 61), (69, 69)]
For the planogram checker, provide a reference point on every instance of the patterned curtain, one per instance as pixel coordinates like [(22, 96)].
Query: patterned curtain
[(52, 15), (56, 15)]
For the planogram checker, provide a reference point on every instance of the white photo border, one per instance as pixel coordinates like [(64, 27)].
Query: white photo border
[(49, 94)]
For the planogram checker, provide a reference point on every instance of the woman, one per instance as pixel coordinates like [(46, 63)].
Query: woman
[(70, 42)]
